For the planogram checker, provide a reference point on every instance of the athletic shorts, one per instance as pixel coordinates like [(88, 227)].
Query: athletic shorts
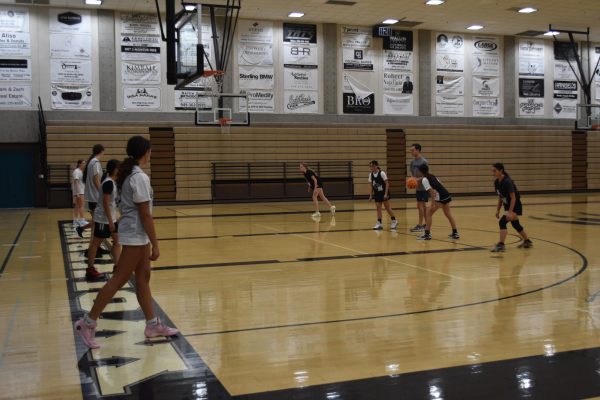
[(518, 208), (103, 230), (422, 195), (92, 206), (379, 197), (444, 201)]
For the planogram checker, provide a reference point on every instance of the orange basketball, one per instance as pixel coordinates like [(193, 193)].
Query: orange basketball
[(411, 183)]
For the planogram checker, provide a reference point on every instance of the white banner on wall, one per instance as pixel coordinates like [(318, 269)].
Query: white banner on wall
[(597, 85), (14, 19), (186, 100), (71, 97), (301, 102), (70, 21), (450, 85), (70, 46), (259, 101), (300, 79), (141, 98), (15, 44), (396, 60), (397, 104), (564, 108), (255, 54), (450, 62), (300, 54), (563, 71), (255, 31), (15, 69), (531, 57), (256, 77), (140, 73), (352, 85), (486, 107), (531, 107), (486, 64), (358, 59), (139, 24), (486, 46), (15, 95), (446, 106), (486, 87), (356, 37), (400, 82), (142, 47), (450, 43), (71, 71)]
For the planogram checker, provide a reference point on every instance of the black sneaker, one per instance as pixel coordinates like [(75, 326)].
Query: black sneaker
[(498, 248), (526, 244), (417, 228), (79, 230), (101, 251), (92, 275), (454, 236), (425, 236)]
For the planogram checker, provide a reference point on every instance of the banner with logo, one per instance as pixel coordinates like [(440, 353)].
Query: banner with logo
[(139, 24), (301, 102), (453, 43), (358, 59), (255, 31), (140, 73), (486, 107), (141, 98), (70, 21), (394, 60), (486, 45), (447, 106), (187, 99), (259, 101), (564, 108), (564, 51), (531, 87), (400, 82), (71, 97), (70, 71), (15, 44), (486, 87), (143, 47), (398, 40), (531, 57), (299, 54), (251, 77), (450, 85), (397, 104), (565, 90), (358, 105), (14, 19), (15, 69), (356, 37), (485, 58), (300, 79), (533, 107), (353, 85), (70, 46), (15, 95), (450, 62), (255, 54), (563, 71), (299, 33)]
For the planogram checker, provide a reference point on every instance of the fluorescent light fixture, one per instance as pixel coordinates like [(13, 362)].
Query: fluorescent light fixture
[(93, 2), (527, 10), (389, 21), (435, 2), (296, 14), (189, 7), (474, 27), (551, 33)]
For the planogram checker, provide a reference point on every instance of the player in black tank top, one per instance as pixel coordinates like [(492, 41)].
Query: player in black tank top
[(440, 198), (315, 184), (380, 192)]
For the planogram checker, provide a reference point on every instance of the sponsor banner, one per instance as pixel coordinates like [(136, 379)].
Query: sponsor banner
[(259, 101), (450, 85), (140, 73), (143, 47), (486, 87), (299, 54), (14, 19), (531, 57), (300, 79), (255, 31), (187, 100), (301, 102), (394, 60), (450, 62), (256, 77), (564, 108), (453, 43), (358, 59), (67, 21), (140, 24), (564, 51), (71, 97), (446, 106), (351, 85), (15, 44), (565, 90), (531, 107), (299, 33), (255, 54), (15, 70), (70, 46), (597, 86), (15, 95), (485, 64), (71, 71), (531, 87), (486, 46), (141, 98), (399, 40), (356, 37), (397, 104), (562, 70), (486, 107), (355, 105), (399, 82)]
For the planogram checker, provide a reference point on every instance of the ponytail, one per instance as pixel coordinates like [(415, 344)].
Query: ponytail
[(500, 167), (86, 169), (137, 147), (97, 149)]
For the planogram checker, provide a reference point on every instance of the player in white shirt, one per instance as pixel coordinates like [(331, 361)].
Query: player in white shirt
[(78, 189), (140, 245), (92, 176), (380, 192)]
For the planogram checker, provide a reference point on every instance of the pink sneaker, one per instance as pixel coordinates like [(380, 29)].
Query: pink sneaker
[(159, 329), (87, 332)]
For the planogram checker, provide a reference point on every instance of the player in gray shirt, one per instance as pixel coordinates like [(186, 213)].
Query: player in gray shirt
[(421, 194)]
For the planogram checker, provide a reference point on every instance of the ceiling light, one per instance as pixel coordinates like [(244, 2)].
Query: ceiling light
[(435, 2), (189, 7), (296, 15), (389, 21), (474, 27), (527, 10), (551, 33), (93, 2)]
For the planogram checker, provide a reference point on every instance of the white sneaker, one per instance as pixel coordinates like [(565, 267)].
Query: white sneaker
[(332, 209), (75, 223), (394, 224), (378, 226), (83, 222), (317, 214)]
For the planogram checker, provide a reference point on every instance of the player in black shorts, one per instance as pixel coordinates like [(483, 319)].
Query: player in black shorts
[(380, 192), (509, 197), (316, 185), (440, 198)]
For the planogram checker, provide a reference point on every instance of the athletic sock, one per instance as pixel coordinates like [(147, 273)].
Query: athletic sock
[(153, 321), (454, 231), (378, 220), (393, 218), (427, 232), (88, 320)]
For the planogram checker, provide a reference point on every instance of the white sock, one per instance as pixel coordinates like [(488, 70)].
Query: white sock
[(88, 320), (153, 321)]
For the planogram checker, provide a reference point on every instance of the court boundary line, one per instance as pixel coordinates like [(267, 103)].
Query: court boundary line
[(12, 247)]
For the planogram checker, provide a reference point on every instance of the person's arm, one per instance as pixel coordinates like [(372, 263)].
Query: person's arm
[(148, 223), (387, 188), (370, 189), (498, 207)]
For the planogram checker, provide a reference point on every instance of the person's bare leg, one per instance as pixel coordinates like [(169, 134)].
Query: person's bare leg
[(142, 284), (448, 214), (421, 208), (388, 209), (379, 215), (325, 199)]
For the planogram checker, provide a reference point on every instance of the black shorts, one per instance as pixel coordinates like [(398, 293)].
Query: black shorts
[(92, 206), (103, 230), (379, 197), (518, 208), (422, 195), (444, 201)]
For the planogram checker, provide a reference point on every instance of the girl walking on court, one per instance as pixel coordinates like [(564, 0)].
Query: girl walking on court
[(509, 197), (140, 245), (316, 185), (105, 217), (92, 176), (380, 192), (440, 198), (78, 189)]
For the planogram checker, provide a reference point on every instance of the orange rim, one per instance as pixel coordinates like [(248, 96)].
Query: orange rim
[(224, 121), (211, 72)]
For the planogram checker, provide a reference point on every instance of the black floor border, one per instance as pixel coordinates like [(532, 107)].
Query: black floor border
[(14, 243)]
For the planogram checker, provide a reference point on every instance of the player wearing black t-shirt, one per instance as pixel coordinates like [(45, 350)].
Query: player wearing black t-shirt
[(315, 184), (440, 198), (509, 197)]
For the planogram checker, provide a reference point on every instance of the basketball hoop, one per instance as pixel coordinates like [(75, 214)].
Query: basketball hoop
[(225, 124), (209, 72)]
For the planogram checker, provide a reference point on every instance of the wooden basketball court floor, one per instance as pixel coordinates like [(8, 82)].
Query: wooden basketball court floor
[(272, 304)]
